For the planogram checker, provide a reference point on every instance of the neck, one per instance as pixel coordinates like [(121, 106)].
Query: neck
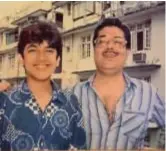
[(39, 87), (112, 80)]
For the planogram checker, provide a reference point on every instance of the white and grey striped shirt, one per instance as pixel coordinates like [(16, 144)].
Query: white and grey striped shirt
[(139, 105)]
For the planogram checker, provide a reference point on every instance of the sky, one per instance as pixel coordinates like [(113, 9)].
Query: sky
[(7, 8), (10, 7)]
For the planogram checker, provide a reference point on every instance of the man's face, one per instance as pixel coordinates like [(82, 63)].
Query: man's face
[(110, 50), (40, 61)]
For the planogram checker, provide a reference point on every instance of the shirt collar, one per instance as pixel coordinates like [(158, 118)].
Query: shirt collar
[(26, 94), (129, 80)]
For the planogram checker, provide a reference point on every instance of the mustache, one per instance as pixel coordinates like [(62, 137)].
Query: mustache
[(111, 51)]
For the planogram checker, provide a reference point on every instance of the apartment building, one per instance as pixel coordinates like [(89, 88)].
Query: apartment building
[(146, 21)]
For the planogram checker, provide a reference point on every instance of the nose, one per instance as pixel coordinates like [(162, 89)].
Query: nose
[(110, 44), (41, 56)]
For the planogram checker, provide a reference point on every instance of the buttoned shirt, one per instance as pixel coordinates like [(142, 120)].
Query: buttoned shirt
[(24, 126), (139, 106)]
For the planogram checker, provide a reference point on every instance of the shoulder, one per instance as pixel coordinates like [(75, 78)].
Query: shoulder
[(14, 95), (80, 88), (145, 92), (70, 96), (80, 85), (3, 98), (67, 97), (144, 85)]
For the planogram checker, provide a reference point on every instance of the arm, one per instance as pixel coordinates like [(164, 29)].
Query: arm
[(4, 86), (3, 97), (158, 113), (78, 140)]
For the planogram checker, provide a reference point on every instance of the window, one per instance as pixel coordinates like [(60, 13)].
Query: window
[(133, 39), (141, 36), (11, 58), (106, 5), (122, 2), (1, 39), (67, 46), (45, 16), (85, 46), (67, 49), (1, 62), (69, 9), (140, 40), (80, 9), (147, 34), (11, 37), (59, 19)]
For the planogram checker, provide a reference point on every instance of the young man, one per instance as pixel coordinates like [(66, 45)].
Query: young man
[(37, 115), (117, 109)]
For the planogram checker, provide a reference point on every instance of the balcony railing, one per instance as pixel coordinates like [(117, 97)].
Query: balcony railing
[(130, 7)]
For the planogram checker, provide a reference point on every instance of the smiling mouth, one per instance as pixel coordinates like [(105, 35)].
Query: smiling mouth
[(110, 54), (41, 66)]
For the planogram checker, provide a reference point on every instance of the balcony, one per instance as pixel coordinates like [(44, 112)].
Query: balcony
[(7, 48), (31, 17), (129, 7), (57, 4), (132, 7)]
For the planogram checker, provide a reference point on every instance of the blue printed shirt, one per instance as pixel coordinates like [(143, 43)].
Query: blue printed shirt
[(23, 126)]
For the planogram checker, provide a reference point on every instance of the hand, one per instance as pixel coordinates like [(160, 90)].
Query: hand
[(4, 85)]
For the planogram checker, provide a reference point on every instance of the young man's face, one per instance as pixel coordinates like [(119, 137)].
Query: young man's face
[(40, 61), (110, 50)]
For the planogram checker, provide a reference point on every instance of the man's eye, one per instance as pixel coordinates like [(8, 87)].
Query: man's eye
[(101, 41), (118, 42)]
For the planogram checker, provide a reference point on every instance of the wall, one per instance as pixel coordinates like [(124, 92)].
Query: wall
[(158, 48)]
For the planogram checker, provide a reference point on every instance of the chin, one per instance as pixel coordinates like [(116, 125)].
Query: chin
[(110, 71), (39, 77), (43, 79)]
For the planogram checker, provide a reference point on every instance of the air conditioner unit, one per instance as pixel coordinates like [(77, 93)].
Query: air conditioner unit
[(139, 57)]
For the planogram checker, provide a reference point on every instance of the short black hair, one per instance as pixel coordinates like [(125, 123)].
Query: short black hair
[(107, 22), (37, 33)]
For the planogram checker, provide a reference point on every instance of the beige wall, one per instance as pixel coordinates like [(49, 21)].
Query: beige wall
[(158, 49)]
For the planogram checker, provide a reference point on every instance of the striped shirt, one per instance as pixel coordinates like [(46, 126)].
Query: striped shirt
[(139, 106)]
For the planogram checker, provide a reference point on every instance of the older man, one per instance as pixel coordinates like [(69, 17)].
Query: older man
[(117, 108)]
